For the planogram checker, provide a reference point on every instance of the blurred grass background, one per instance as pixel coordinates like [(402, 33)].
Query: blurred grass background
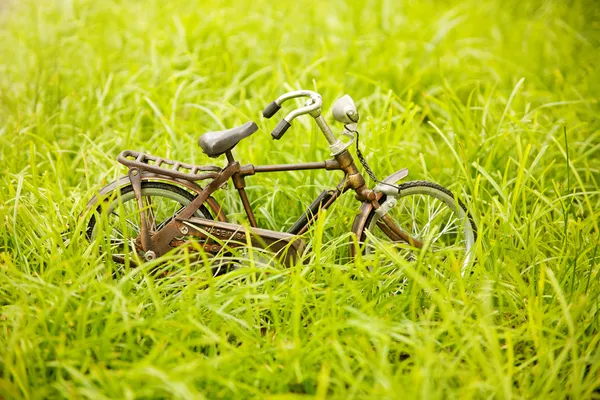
[(475, 95)]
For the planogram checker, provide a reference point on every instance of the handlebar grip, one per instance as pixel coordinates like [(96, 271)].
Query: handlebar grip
[(271, 109), (280, 129)]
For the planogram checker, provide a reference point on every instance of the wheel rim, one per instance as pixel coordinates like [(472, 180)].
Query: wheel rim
[(430, 215)]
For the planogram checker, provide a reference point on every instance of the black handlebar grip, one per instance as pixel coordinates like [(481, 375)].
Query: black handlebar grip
[(271, 109), (280, 129)]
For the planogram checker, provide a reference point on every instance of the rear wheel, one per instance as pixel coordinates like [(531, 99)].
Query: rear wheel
[(118, 219), (429, 213)]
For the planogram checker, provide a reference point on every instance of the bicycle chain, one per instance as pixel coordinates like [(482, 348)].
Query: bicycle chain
[(366, 166)]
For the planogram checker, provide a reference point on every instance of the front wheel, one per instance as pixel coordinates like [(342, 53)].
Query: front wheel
[(427, 212)]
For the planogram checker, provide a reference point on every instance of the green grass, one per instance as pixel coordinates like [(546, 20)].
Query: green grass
[(474, 95)]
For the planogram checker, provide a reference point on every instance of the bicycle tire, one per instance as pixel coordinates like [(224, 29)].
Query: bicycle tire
[(445, 197)]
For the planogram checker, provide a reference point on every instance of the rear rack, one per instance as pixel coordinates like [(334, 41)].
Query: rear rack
[(163, 166)]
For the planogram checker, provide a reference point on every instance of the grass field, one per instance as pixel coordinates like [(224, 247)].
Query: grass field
[(497, 100)]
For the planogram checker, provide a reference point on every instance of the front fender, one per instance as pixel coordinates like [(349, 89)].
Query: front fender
[(366, 207), (191, 186)]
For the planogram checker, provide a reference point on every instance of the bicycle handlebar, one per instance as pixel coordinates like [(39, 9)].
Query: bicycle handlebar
[(280, 129), (272, 108)]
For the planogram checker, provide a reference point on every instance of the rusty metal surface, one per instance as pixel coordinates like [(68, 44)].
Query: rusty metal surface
[(162, 239), (287, 246), (136, 182), (367, 207), (141, 161), (328, 165), (396, 233), (354, 179), (247, 207), (213, 248)]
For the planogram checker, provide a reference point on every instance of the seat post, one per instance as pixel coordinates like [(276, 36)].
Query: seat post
[(229, 156)]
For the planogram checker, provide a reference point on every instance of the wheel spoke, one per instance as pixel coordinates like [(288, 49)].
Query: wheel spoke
[(150, 217), (117, 242)]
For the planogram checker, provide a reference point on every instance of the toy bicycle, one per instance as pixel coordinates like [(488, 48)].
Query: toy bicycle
[(161, 205)]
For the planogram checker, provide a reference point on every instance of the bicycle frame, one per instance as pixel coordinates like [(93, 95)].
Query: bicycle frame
[(288, 244), (184, 223)]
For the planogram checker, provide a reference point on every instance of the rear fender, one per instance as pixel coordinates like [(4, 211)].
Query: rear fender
[(191, 186)]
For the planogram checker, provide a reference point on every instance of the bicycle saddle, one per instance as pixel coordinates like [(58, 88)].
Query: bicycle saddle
[(214, 144)]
